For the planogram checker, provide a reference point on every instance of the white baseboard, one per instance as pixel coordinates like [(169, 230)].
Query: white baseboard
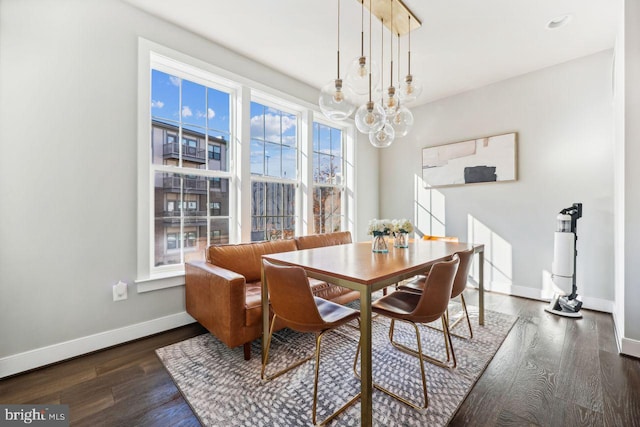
[(589, 303), (630, 347), (32, 359)]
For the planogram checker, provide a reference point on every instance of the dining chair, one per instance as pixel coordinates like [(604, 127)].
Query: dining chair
[(459, 285), (414, 308), (441, 238), (294, 306)]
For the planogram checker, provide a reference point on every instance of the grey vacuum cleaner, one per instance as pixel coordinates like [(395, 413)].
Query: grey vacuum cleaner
[(563, 267)]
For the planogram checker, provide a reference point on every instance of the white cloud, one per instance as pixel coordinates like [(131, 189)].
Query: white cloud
[(174, 80), (210, 114), (186, 111), (272, 126), (157, 104)]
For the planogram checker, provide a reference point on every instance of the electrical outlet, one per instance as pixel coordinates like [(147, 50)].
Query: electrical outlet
[(120, 291)]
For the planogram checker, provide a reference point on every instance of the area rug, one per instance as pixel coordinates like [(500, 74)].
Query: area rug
[(225, 390)]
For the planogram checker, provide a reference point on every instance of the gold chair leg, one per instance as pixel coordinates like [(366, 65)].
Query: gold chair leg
[(266, 358), (422, 372), (433, 360), (466, 315), (445, 326), (315, 387)]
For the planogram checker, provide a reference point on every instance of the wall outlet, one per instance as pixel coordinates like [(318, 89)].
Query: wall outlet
[(120, 291)]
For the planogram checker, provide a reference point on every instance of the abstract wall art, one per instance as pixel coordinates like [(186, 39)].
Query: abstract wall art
[(488, 159)]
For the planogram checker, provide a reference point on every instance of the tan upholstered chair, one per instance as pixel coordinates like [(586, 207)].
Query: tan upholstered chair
[(459, 285), (415, 308), (295, 307), (441, 238)]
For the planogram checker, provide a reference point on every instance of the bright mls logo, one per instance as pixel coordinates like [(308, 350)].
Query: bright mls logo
[(36, 415)]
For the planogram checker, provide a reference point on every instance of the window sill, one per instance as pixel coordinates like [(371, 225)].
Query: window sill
[(163, 281)]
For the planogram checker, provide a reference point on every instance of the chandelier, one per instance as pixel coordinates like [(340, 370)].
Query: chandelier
[(382, 115)]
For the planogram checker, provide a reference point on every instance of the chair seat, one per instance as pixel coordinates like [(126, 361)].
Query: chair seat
[(400, 305), (397, 304), (335, 314), (416, 285)]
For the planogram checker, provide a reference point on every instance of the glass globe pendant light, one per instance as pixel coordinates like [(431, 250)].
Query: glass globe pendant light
[(402, 119), (384, 137), (370, 117), (390, 101), (336, 98), (410, 88), (358, 72)]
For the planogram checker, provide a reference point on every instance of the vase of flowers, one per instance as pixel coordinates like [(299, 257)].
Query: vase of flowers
[(380, 229), (401, 229)]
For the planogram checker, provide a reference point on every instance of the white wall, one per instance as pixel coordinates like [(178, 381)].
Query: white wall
[(564, 119), (68, 135), (631, 147)]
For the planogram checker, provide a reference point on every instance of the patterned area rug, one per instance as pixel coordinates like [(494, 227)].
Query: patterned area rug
[(225, 390)]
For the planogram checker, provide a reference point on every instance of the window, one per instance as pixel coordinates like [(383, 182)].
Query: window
[(215, 152), (274, 170), (191, 110), (191, 181), (328, 178)]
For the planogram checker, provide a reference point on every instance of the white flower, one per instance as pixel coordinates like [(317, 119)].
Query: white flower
[(380, 226), (386, 226), (402, 226)]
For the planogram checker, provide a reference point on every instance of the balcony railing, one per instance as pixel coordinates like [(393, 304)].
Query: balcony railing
[(192, 185), (193, 154), (187, 213)]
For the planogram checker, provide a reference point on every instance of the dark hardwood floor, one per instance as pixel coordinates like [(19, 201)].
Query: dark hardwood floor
[(550, 371)]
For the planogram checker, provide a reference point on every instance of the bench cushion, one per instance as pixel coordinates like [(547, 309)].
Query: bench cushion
[(246, 258)]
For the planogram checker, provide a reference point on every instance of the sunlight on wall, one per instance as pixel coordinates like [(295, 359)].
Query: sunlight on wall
[(498, 268), (428, 209)]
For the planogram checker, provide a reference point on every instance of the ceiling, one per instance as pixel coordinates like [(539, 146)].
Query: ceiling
[(462, 44)]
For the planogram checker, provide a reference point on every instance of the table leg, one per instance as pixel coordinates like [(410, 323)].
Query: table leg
[(265, 315), (366, 384), (481, 288)]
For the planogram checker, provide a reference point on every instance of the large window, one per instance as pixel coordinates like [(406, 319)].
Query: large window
[(328, 178), (274, 170), (191, 174), (203, 179)]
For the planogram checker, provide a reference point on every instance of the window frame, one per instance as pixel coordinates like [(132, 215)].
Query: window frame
[(238, 151), (347, 146), (292, 110)]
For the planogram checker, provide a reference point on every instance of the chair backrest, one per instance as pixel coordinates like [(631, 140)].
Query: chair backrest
[(326, 239), (441, 238), (460, 281), (291, 297), (437, 291)]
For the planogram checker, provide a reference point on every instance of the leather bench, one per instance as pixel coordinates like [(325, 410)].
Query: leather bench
[(224, 293)]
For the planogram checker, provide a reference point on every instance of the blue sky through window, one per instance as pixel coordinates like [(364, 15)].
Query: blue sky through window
[(273, 142), (202, 107)]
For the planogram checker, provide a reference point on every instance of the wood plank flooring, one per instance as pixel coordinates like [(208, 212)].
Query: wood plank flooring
[(550, 371)]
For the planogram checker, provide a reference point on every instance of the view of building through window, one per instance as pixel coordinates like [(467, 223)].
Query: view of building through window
[(274, 168), (190, 135), (328, 178), (198, 170)]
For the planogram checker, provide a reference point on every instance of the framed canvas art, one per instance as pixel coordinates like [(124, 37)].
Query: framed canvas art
[(489, 159)]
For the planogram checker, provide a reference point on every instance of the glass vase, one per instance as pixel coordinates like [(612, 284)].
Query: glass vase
[(401, 240), (379, 244)]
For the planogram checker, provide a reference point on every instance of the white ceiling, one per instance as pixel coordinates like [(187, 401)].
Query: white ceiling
[(462, 44)]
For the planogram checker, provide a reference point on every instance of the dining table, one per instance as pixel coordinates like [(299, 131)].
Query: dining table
[(357, 267)]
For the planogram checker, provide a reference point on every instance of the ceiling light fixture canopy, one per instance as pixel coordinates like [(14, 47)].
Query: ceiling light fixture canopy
[(389, 117)]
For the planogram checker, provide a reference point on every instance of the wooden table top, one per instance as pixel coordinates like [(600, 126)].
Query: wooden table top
[(356, 262)]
